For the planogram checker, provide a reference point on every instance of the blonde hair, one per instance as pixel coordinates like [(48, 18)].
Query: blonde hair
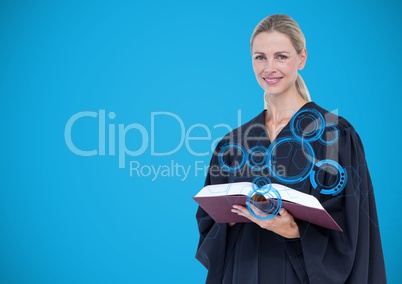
[(286, 25)]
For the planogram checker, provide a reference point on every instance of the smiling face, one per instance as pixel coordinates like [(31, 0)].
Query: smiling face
[(276, 62)]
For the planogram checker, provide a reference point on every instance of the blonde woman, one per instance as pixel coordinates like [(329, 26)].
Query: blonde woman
[(301, 145)]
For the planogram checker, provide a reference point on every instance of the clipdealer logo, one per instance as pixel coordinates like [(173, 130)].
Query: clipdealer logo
[(111, 141)]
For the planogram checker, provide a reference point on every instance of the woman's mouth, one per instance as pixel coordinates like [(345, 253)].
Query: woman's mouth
[(272, 80)]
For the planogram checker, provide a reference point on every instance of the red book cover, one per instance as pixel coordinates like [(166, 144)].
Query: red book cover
[(217, 201)]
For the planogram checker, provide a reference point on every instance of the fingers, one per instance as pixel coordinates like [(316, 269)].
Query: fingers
[(258, 216), (240, 210), (283, 212), (258, 211), (243, 211), (282, 224)]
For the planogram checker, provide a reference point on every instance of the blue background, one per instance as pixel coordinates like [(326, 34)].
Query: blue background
[(71, 219)]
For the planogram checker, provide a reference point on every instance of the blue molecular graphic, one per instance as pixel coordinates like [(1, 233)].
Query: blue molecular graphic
[(257, 158), (304, 156), (307, 125), (331, 135), (264, 198), (226, 150), (332, 168)]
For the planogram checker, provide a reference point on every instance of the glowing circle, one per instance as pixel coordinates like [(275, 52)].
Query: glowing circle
[(331, 135), (229, 168), (303, 153), (257, 158), (266, 199), (260, 182), (307, 125), (332, 168)]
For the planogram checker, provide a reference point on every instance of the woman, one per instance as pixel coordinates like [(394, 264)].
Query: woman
[(296, 143)]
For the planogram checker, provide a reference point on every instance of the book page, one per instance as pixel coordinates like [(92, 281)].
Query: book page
[(296, 196), (217, 200), (244, 188), (237, 188)]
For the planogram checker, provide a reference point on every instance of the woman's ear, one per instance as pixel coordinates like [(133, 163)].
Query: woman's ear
[(303, 58)]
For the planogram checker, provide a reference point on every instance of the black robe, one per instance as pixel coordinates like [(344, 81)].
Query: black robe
[(248, 254)]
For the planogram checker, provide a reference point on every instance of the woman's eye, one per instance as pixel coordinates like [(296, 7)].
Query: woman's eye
[(282, 57), (259, 57)]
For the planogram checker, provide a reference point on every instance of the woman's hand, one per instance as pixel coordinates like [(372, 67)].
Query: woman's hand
[(283, 224)]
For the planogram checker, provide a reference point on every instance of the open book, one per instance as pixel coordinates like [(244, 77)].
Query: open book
[(217, 200)]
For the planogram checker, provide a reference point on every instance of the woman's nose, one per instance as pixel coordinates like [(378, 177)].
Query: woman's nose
[(269, 66)]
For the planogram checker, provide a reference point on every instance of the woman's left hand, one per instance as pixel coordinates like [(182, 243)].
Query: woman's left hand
[(283, 224)]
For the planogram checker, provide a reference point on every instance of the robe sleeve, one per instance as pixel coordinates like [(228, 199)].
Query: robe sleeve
[(354, 255), (216, 239)]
